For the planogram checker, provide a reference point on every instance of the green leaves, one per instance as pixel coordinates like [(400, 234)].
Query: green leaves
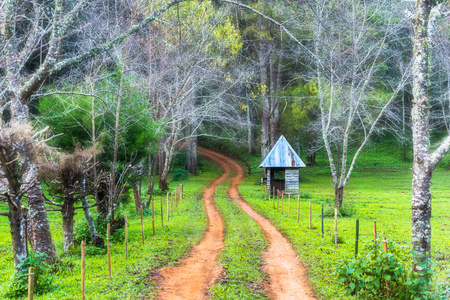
[(370, 275)]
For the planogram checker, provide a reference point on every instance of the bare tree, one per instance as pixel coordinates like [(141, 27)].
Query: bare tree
[(347, 65)]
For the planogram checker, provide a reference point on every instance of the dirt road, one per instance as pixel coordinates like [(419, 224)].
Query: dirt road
[(192, 278)]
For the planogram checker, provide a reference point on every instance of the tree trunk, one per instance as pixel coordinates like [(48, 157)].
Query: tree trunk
[(97, 241), (18, 228), (67, 215), (338, 196), (137, 197), (265, 120), (39, 235), (102, 199), (421, 196)]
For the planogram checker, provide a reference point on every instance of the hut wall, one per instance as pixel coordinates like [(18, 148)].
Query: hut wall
[(268, 177), (291, 181)]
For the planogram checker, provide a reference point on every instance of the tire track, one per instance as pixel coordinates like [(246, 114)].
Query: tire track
[(196, 273), (287, 276)]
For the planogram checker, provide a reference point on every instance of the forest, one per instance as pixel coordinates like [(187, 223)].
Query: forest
[(132, 134)]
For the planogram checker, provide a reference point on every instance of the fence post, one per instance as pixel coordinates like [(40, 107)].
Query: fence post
[(322, 220), (356, 238), (83, 270), (375, 232), (30, 283), (108, 248), (289, 211), (282, 203), (142, 225), (260, 192), (298, 207), (278, 199), (168, 207), (153, 216), (126, 237), (335, 228)]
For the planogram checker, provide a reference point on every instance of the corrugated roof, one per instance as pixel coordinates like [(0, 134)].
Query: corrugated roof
[(282, 155)]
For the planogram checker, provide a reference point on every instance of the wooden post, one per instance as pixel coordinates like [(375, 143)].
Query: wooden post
[(335, 228), (142, 225), (30, 283), (126, 237), (356, 238), (282, 203), (153, 216), (168, 207), (375, 232), (278, 199), (310, 221), (269, 194), (171, 204), (108, 249), (83, 271), (162, 212), (289, 211), (388, 288), (298, 207), (322, 220), (260, 193), (181, 191), (175, 200)]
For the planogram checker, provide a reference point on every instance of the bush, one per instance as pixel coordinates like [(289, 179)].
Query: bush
[(42, 278), (347, 209), (366, 276), (180, 174)]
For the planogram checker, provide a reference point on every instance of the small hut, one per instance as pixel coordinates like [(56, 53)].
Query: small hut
[(281, 167)]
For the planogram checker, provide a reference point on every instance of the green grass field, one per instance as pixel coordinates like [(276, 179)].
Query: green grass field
[(378, 191)]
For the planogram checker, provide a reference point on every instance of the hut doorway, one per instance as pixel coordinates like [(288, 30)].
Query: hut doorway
[(277, 178)]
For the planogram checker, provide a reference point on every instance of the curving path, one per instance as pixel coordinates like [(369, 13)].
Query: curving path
[(193, 277), (196, 273), (287, 276)]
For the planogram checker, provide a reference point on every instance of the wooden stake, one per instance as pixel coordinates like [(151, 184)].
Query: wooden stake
[(278, 199), (162, 212), (375, 232), (142, 225), (269, 194), (108, 249), (260, 193), (282, 203), (83, 270), (175, 204), (388, 288), (168, 207), (298, 207), (153, 216), (335, 228), (322, 220), (310, 221), (126, 237), (171, 204), (289, 212), (182, 192), (30, 283)]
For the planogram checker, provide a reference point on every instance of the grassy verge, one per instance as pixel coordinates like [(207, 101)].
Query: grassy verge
[(382, 194), (130, 277), (242, 257)]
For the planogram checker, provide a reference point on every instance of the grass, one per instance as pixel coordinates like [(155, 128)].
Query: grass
[(130, 277), (380, 192), (242, 257)]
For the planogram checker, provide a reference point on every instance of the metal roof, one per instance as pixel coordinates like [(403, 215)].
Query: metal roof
[(282, 155)]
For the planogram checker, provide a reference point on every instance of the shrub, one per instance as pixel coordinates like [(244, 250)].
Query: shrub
[(347, 209), (367, 275), (180, 174), (42, 278), (82, 232)]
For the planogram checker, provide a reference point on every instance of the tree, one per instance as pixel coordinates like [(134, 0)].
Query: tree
[(350, 67), (425, 24)]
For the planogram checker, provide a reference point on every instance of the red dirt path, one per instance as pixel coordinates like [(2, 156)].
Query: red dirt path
[(196, 273), (193, 277)]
